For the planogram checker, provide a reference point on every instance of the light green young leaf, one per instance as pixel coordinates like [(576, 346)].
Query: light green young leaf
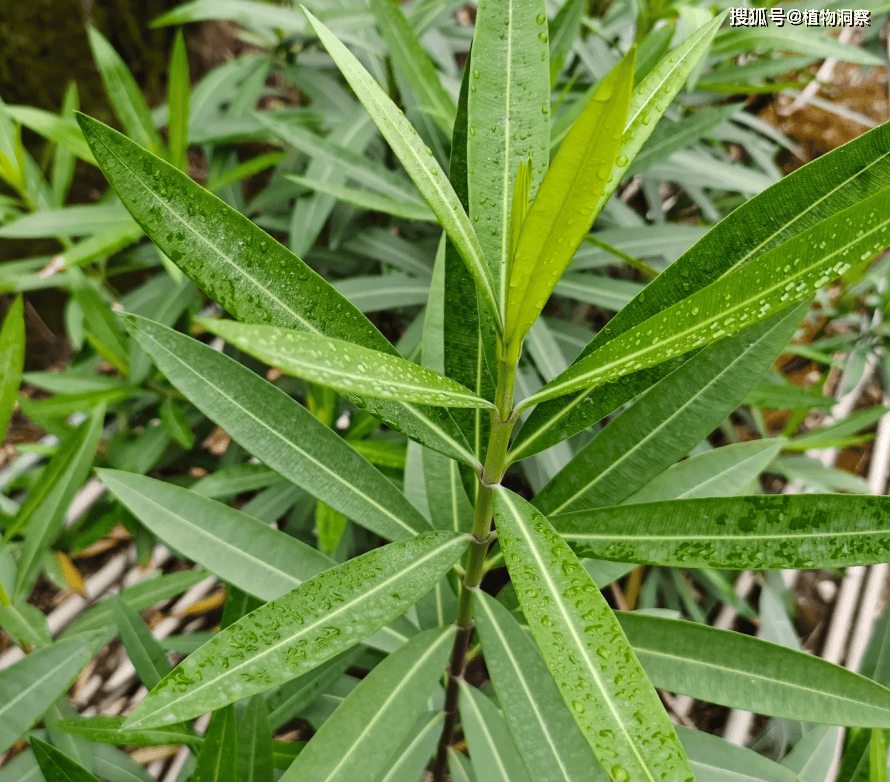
[(722, 472), (218, 758), (508, 115), (413, 64), (63, 158), (788, 273), (567, 202), (371, 723), (62, 130), (109, 730), (248, 273), (178, 97), (279, 431), (799, 201), (652, 97), (43, 511), (145, 652), (295, 633), (12, 361), (735, 533), (878, 757), (418, 162), (493, 753), (745, 672), (56, 766), (343, 366), (124, 94), (546, 736), (668, 421), (31, 686), (81, 220), (255, 743), (597, 674)]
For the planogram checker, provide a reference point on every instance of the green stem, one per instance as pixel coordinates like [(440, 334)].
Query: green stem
[(483, 535)]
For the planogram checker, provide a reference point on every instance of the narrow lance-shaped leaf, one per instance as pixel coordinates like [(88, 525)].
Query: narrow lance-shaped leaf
[(567, 202), (788, 273), (124, 94), (745, 672), (546, 736), (508, 115), (597, 673), (218, 759), (736, 533), (809, 195), (31, 686), (345, 367), (418, 161), (492, 749), (413, 63), (12, 361), (468, 332), (279, 431), (43, 511), (255, 743), (295, 633), (250, 274), (409, 761), (178, 98), (360, 737), (56, 766), (662, 425), (144, 650)]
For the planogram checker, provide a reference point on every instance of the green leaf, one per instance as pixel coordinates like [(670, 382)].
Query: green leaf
[(546, 736), (735, 533), (255, 743), (409, 761), (662, 425), (418, 161), (176, 423), (564, 30), (218, 758), (124, 94), (404, 208), (722, 472), (43, 511), (115, 765), (69, 221), (596, 671), (878, 757), (279, 431), (31, 686), (56, 766), (788, 273), (293, 634), (100, 325), (12, 361), (806, 197), (508, 115), (567, 202), (413, 64), (178, 96), (110, 730), (347, 368), (371, 723), (247, 272), (240, 549), (742, 671), (492, 749), (468, 331), (25, 623), (145, 652), (716, 760)]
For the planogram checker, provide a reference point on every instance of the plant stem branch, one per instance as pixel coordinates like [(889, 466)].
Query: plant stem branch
[(483, 535)]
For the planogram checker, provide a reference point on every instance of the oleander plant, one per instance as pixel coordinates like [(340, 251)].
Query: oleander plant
[(440, 558)]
